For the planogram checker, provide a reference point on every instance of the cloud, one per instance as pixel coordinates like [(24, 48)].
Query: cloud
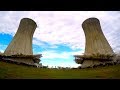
[(55, 58), (1, 51), (52, 54), (2, 47), (62, 27)]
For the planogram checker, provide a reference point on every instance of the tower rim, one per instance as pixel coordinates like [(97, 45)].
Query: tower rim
[(31, 20), (89, 20)]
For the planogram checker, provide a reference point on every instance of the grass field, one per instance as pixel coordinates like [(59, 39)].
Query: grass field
[(13, 71)]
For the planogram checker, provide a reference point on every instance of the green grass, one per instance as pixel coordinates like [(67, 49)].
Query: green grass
[(13, 71)]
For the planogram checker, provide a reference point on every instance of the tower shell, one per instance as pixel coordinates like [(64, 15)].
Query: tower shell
[(95, 39), (22, 41), (96, 42)]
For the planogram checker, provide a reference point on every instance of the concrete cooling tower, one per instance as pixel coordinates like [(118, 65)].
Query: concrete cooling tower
[(20, 48), (22, 41), (95, 40)]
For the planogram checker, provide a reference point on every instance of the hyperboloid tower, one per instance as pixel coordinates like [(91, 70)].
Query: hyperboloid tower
[(21, 43), (96, 43), (95, 39)]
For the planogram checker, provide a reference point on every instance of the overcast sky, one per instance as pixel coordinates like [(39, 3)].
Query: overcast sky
[(59, 34)]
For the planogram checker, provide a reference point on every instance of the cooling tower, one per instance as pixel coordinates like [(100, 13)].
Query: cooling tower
[(22, 41), (95, 40)]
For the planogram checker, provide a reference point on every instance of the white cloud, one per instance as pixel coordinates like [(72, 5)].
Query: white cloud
[(1, 51), (52, 54), (38, 42), (63, 27), (64, 59), (2, 47)]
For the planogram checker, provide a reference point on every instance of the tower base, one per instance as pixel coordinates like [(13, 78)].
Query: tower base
[(23, 59), (94, 63), (90, 63)]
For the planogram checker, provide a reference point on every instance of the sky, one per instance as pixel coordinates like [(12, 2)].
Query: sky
[(59, 34)]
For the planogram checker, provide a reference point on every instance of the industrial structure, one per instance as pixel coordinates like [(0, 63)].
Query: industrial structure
[(20, 48), (22, 41), (96, 43)]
